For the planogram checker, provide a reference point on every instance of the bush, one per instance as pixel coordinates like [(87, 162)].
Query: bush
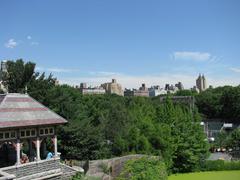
[(220, 165), (144, 169), (78, 176)]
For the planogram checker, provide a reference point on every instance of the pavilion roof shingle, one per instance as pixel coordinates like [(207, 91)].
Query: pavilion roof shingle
[(21, 110)]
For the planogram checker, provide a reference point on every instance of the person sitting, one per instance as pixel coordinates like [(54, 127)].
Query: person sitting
[(49, 155), (24, 159)]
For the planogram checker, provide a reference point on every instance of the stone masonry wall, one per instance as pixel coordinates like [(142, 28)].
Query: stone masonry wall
[(33, 168), (41, 167), (115, 164)]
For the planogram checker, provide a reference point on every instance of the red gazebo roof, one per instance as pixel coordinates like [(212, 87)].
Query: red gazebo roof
[(21, 110)]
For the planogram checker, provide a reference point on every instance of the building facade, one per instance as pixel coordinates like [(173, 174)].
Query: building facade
[(201, 83), (3, 69), (113, 88), (142, 91), (26, 128), (179, 85), (156, 91), (91, 90), (128, 92)]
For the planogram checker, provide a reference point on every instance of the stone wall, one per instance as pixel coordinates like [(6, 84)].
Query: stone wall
[(114, 165), (51, 169)]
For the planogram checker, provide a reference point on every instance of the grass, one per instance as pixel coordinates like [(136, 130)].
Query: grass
[(213, 175)]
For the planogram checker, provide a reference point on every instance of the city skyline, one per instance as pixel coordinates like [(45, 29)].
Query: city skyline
[(135, 42)]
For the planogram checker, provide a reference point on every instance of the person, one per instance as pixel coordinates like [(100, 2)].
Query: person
[(24, 159), (49, 155)]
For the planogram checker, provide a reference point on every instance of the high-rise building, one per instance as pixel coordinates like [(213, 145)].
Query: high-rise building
[(201, 83), (91, 90), (3, 68), (128, 92), (142, 91), (179, 85), (113, 87), (156, 91)]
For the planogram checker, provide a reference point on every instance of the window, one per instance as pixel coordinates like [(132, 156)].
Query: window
[(33, 132), (46, 131), (22, 133), (41, 132), (51, 130), (13, 134), (1, 135), (28, 133), (7, 136)]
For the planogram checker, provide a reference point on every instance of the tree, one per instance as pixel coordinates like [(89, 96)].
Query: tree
[(234, 139), (145, 168), (18, 75)]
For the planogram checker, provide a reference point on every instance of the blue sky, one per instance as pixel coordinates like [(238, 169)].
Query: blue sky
[(134, 41)]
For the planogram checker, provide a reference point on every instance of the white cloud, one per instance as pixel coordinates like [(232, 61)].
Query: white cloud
[(56, 70), (29, 37), (237, 70), (194, 56), (11, 43)]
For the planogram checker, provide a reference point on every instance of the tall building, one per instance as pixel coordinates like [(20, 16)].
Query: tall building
[(156, 91), (179, 85), (128, 92), (91, 90), (3, 68), (113, 87), (171, 88), (142, 91), (201, 83)]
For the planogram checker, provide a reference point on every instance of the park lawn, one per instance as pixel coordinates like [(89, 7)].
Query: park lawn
[(213, 175)]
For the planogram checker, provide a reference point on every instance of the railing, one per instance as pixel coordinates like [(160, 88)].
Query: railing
[(22, 170), (6, 176)]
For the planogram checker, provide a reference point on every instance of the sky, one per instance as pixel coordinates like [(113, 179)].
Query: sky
[(135, 41)]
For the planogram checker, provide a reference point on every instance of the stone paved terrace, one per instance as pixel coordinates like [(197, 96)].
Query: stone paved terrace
[(45, 169)]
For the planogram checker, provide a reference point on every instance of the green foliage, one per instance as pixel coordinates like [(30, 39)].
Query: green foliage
[(222, 140), (234, 139), (186, 92), (219, 175), (104, 126), (221, 102), (228, 140), (220, 165), (18, 75), (144, 169)]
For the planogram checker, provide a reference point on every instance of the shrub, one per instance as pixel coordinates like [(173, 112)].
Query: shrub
[(144, 169), (220, 165), (78, 176)]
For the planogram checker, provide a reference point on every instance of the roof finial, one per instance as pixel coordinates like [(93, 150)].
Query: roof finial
[(26, 89)]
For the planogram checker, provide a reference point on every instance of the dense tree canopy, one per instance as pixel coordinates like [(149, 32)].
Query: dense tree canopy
[(145, 168), (103, 126), (221, 103), (21, 75)]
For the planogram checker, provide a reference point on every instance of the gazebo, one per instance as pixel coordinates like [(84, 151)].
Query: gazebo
[(27, 134)]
